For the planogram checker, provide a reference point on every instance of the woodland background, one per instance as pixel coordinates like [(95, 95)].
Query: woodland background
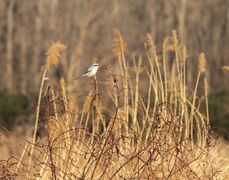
[(27, 29)]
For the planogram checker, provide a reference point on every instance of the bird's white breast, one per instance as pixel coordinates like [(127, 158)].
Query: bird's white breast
[(93, 71)]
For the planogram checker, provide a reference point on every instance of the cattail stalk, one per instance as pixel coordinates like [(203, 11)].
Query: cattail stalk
[(64, 95), (156, 101), (119, 50), (165, 70), (176, 44), (160, 77), (152, 50), (52, 59), (201, 69), (137, 69), (54, 103), (206, 99), (37, 113), (183, 90)]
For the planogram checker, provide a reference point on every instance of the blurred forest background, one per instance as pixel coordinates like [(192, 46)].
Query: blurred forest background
[(28, 27)]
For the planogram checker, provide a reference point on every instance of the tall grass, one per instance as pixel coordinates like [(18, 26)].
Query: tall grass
[(128, 135)]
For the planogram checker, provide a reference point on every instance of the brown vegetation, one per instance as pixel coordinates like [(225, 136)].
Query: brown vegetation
[(146, 115), (119, 133)]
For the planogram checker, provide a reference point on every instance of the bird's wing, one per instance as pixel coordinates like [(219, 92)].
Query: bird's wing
[(90, 69)]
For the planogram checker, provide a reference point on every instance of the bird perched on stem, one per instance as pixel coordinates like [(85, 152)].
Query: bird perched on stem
[(91, 71)]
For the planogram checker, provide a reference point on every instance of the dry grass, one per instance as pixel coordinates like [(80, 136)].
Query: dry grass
[(127, 135), (226, 68)]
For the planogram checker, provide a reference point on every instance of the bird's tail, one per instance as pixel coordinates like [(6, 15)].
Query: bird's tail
[(80, 76)]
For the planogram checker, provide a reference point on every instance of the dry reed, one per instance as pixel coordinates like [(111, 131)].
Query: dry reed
[(161, 136)]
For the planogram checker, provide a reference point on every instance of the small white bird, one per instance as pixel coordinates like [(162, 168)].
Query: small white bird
[(91, 71)]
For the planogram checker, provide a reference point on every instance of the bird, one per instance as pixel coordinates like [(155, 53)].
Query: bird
[(91, 71)]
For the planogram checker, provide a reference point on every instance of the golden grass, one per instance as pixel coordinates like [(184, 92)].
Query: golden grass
[(129, 135), (226, 68)]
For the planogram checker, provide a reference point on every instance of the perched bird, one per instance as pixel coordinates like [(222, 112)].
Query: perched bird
[(91, 71)]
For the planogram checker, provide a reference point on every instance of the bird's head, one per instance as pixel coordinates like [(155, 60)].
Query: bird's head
[(95, 65)]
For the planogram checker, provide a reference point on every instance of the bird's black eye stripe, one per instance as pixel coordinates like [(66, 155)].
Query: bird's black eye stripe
[(95, 64)]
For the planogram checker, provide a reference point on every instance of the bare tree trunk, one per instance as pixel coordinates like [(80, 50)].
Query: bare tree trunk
[(54, 5), (9, 49), (181, 17), (23, 64), (37, 48), (2, 55)]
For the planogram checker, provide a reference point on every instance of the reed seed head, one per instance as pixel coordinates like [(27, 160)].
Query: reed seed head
[(202, 63), (184, 54), (168, 44), (62, 83), (53, 54), (175, 39), (226, 68), (205, 87), (149, 44), (119, 46)]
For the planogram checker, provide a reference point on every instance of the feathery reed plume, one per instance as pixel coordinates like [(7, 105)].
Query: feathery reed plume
[(119, 46), (72, 105), (202, 63), (53, 54), (226, 68), (184, 54), (176, 48), (168, 44), (175, 40), (87, 105), (149, 44)]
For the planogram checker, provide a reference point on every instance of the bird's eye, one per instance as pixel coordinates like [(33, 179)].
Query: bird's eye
[(95, 64)]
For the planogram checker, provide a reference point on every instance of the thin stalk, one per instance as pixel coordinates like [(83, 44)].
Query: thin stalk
[(126, 90), (136, 92), (63, 92), (193, 106), (21, 158), (160, 77), (206, 99), (37, 113), (54, 103), (149, 97), (165, 74)]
